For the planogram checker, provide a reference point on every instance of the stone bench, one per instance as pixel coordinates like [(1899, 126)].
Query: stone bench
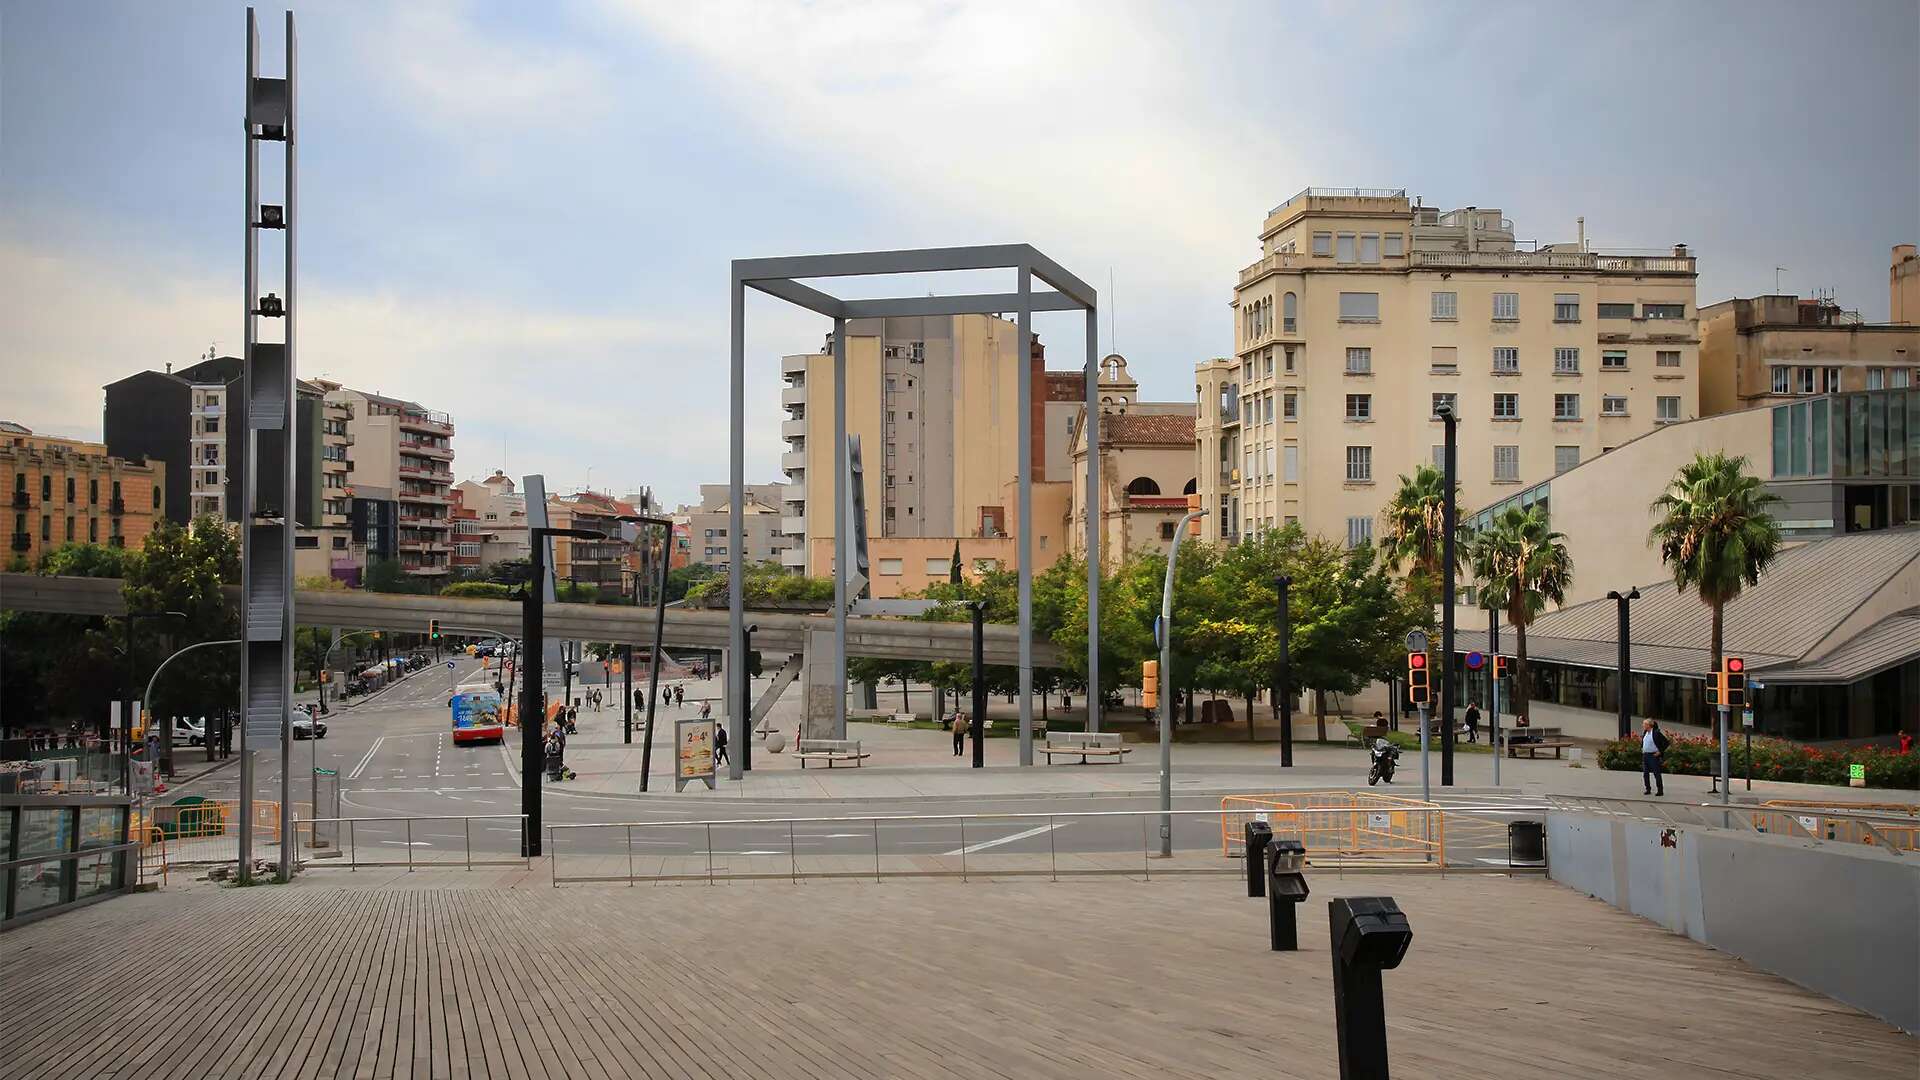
[(831, 751), (1085, 745)]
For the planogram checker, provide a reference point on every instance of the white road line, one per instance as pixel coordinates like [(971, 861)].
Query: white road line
[(985, 844), (371, 750), (406, 843)]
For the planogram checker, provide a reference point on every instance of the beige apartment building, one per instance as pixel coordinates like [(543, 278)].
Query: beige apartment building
[(1770, 349), (1366, 310), (403, 451), (1147, 458), (71, 491), (709, 523), (934, 401)]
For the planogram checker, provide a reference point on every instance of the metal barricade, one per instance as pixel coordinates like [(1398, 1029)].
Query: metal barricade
[(1347, 825)]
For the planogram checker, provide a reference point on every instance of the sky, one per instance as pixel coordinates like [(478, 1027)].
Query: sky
[(523, 214)]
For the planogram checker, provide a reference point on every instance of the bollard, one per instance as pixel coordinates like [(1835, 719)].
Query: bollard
[(1258, 835), (1370, 935), (1286, 891)]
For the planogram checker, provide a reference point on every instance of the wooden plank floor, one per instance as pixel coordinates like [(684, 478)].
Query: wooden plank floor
[(445, 974)]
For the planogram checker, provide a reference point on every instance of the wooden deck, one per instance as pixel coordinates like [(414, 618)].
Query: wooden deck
[(446, 974)]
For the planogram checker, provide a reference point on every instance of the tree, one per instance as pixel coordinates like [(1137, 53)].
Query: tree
[(185, 569), (1715, 531), (1522, 565), (1415, 518), (682, 578), (56, 667), (386, 576), (89, 560)]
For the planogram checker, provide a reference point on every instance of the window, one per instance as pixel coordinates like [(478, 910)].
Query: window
[(1344, 251), (1830, 382), (1360, 407), (1616, 311), (1290, 407), (1446, 306), (1898, 378), (1667, 358), (1781, 381), (1360, 307), (1359, 464), (1289, 316), (69, 489), (1451, 401), (1506, 406), (211, 479), (1506, 464), (1566, 361), (1359, 361), (1440, 457), (1566, 406), (1566, 307), (1666, 410), (69, 530), (1564, 458), (1289, 355), (46, 487), (1806, 379), (1506, 307), (1876, 380), (1664, 311), (46, 527), (212, 425), (1359, 531), (1290, 461), (1444, 360), (93, 531), (890, 567), (1613, 360), (1166, 530), (1370, 248), (1396, 245), (1506, 361), (306, 541), (1269, 363), (1322, 243), (1610, 405)]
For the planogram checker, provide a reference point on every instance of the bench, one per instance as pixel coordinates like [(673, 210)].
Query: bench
[(900, 718), (1085, 745), (1367, 734), (830, 751), (1532, 746)]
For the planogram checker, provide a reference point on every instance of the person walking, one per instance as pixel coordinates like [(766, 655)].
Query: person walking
[(680, 696), (1653, 744), (1473, 721), (719, 741), (959, 732)]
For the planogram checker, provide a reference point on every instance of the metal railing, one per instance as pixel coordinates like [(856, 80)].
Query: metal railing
[(381, 832), (880, 846), (59, 851), (1344, 824), (1896, 832)]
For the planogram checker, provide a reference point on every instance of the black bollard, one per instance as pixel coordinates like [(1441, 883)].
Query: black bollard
[(1370, 935), (1286, 891), (1258, 835)]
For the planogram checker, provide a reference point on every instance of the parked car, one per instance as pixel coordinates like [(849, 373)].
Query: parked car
[(193, 732), (306, 727)]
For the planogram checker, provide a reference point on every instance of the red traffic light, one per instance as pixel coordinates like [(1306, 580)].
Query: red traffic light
[(1416, 660), (1734, 663)]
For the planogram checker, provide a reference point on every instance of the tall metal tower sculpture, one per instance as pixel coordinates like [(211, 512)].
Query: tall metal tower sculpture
[(266, 520)]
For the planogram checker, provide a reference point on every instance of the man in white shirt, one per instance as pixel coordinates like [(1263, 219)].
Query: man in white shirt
[(1653, 743)]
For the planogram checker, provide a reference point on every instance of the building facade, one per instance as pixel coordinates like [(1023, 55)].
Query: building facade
[(1768, 349), (596, 563), (179, 420), (1366, 311), (69, 491), (404, 452), (709, 523), (498, 522), (1147, 461), (1216, 444)]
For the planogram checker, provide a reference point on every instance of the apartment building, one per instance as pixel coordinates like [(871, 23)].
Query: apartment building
[(934, 401), (72, 491), (1768, 349), (179, 419), (498, 523), (1216, 444), (1147, 461), (709, 523), (591, 562), (402, 455), (323, 542), (1367, 310)]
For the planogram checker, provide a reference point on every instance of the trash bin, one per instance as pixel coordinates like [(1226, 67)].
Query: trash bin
[(1526, 842)]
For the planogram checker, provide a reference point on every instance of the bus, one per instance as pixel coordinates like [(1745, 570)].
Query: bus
[(476, 716)]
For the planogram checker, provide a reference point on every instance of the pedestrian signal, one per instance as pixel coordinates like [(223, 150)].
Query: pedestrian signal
[(1150, 684)]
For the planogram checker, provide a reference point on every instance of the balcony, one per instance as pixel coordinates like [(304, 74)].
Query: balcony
[(793, 395), (424, 569), (1279, 260), (1229, 414), (336, 464), (1552, 260), (793, 365), (794, 557), (424, 521), (794, 460), (435, 498), (419, 473), (793, 429), (200, 435), (425, 449), (426, 546), (438, 423), (22, 500), (209, 409), (795, 525), (22, 541)]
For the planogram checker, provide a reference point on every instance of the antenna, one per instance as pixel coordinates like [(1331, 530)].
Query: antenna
[(1113, 316), (1777, 271)]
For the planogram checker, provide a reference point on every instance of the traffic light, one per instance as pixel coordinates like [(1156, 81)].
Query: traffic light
[(1733, 682), (1716, 688), (1150, 684), (433, 630), (1499, 667), (1193, 527), (1417, 692)]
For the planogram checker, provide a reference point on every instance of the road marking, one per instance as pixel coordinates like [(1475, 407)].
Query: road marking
[(371, 750), (985, 844), (407, 843)]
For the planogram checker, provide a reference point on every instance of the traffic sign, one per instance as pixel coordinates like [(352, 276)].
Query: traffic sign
[(449, 665), (1417, 641), (1746, 719), (1475, 661)]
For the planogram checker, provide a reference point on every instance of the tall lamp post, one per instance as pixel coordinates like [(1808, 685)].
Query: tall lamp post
[(533, 715), (1166, 700), (1284, 583), (1625, 664), (745, 663), (659, 633), (1451, 422)]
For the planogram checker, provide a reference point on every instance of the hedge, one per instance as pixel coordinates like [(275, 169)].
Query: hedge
[(1773, 759)]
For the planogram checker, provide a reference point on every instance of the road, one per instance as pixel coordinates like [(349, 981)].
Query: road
[(395, 759)]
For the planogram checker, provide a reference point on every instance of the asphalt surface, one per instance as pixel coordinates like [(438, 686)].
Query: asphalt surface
[(395, 758)]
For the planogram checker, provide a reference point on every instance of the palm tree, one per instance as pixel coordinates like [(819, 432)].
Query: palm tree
[(1414, 518), (1715, 531), (1522, 565)]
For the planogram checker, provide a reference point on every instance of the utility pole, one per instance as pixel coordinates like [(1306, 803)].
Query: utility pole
[(1285, 690), (980, 683), (1449, 670), (1493, 696)]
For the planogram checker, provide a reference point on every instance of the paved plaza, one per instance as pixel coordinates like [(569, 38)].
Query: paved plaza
[(497, 974)]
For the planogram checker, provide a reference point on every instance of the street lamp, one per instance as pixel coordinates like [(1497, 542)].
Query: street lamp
[(532, 712), (1625, 676), (1166, 699), (745, 663), (1283, 583), (1450, 421), (126, 736), (659, 632)]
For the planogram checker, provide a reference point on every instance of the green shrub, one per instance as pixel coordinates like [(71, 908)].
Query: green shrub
[(1773, 759)]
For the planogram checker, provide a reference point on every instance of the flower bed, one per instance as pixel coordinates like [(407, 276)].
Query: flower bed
[(1773, 759)]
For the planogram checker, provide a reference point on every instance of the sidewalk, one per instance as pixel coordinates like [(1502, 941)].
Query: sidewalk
[(908, 763)]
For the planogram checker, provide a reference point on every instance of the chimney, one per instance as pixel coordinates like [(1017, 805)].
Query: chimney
[(169, 367), (1580, 224), (1679, 251)]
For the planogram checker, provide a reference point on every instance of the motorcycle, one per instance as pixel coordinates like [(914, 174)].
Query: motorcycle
[(1384, 755)]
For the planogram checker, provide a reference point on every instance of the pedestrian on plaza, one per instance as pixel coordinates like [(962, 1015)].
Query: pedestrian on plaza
[(1473, 721), (1653, 745), (706, 710), (680, 696), (959, 731), (719, 741)]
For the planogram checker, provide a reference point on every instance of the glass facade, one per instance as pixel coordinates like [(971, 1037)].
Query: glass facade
[(68, 848), (1872, 434)]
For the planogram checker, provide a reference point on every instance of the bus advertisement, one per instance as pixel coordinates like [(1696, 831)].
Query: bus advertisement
[(476, 717)]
